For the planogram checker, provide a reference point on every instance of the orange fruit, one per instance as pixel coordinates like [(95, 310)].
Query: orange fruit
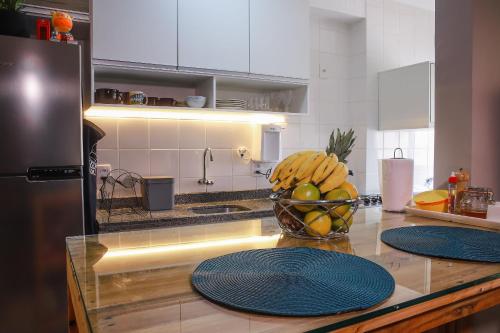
[(338, 194), (319, 221), (306, 192)]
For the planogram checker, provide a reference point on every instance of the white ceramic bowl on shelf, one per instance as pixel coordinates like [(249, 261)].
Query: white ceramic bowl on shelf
[(196, 101)]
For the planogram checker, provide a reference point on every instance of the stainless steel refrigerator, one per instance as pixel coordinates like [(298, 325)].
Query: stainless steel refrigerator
[(40, 180)]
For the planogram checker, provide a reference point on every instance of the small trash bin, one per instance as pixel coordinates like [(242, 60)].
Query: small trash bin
[(157, 193)]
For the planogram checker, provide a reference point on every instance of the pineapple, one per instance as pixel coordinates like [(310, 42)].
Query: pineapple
[(341, 144)]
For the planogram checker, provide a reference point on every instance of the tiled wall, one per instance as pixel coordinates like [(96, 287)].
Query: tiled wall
[(417, 145), (328, 88), (345, 60), (396, 35), (336, 50), (175, 148)]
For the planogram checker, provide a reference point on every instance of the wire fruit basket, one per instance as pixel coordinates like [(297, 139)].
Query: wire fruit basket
[(293, 221)]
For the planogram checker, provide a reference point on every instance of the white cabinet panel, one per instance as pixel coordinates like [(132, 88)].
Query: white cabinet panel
[(213, 34), (136, 31), (406, 97), (279, 38)]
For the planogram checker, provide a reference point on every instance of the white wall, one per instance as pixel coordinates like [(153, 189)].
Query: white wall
[(396, 35), (346, 56)]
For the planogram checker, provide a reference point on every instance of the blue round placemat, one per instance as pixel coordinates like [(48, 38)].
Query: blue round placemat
[(446, 242), (293, 281)]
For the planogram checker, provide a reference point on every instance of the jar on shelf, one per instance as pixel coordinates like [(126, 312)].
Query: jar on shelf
[(475, 200)]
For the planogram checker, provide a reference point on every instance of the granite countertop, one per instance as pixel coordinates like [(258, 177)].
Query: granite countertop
[(182, 214)]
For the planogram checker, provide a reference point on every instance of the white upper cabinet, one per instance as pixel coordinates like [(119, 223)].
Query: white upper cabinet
[(406, 97), (213, 34), (279, 38), (136, 31)]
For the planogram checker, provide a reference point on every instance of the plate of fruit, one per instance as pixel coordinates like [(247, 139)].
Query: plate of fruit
[(312, 196)]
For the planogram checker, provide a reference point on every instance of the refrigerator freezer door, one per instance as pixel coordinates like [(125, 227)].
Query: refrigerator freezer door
[(36, 218), (40, 105)]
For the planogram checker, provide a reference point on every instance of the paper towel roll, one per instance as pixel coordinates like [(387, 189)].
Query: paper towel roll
[(396, 183)]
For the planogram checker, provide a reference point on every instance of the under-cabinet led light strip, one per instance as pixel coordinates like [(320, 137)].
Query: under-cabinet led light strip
[(184, 114), (112, 253)]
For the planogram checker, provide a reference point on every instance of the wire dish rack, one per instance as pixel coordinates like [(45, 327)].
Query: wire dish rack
[(292, 220), (120, 184)]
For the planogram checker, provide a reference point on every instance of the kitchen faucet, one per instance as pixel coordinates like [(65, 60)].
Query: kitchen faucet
[(204, 180)]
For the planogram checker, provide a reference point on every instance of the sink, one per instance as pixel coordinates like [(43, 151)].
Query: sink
[(219, 209)]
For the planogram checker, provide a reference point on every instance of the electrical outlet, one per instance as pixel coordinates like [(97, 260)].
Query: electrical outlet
[(262, 169), (103, 170)]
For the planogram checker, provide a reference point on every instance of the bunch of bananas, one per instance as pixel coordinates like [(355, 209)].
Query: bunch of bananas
[(315, 167)]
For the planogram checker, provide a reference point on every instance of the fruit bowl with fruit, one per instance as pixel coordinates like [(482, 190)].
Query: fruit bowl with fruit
[(312, 196)]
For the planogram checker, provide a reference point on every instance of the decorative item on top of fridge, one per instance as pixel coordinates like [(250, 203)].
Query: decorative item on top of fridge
[(62, 23)]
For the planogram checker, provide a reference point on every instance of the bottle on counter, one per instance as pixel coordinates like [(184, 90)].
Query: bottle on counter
[(463, 179), (452, 192)]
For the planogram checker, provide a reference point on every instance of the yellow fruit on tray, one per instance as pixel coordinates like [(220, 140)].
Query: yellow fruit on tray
[(338, 194), (305, 192), (319, 223), (338, 224), (351, 188)]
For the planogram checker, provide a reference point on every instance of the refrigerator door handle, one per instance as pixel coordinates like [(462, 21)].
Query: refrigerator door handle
[(54, 173)]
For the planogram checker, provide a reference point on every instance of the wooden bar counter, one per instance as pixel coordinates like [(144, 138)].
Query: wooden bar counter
[(139, 281)]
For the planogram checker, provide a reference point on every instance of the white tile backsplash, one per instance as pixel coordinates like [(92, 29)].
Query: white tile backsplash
[(243, 183), (242, 135), (391, 139), (108, 156), (135, 160), (221, 184), (110, 127), (309, 136), (133, 134), (241, 167), (164, 162), (291, 136), (190, 185), (191, 163), (222, 165), (263, 183), (219, 135), (164, 134), (192, 134)]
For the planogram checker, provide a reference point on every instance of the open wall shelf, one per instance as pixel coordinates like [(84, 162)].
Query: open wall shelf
[(264, 95)]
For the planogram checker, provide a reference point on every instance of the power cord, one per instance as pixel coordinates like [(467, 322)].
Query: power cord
[(267, 174)]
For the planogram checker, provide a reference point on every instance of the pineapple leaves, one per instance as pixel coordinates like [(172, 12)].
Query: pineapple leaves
[(341, 144)]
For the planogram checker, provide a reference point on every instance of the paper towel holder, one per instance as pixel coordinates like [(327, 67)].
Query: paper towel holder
[(394, 154)]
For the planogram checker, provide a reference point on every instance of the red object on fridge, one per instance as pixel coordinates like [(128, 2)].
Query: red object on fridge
[(43, 29)]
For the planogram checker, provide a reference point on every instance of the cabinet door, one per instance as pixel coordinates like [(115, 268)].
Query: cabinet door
[(136, 31), (279, 38), (406, 97), (213, 34)]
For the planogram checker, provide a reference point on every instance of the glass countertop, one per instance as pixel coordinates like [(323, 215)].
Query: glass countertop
[(141, 280)]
